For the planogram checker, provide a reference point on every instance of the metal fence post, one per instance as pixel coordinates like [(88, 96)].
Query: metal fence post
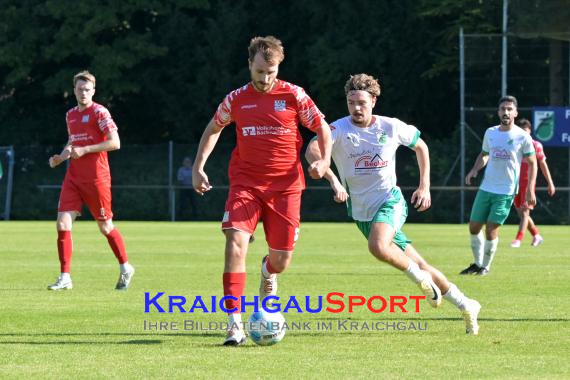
[(171, 191), (8, 205), (462, 122)]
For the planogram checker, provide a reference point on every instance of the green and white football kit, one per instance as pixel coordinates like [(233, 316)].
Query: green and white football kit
[(495, 196), (366, 162), (506, 150)]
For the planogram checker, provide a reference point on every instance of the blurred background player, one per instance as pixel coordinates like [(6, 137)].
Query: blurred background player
[(92, 133), (364, 152), (187, 203), (504, 147), (523, 209), (265, 173)]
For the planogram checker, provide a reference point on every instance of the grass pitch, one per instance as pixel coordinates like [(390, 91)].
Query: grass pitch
[(94, 331)]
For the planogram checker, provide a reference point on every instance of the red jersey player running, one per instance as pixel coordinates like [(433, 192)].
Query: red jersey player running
[(265, 173), (92, 133), (524, 209)]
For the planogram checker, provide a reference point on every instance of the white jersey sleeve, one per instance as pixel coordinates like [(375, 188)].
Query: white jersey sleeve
[(407, 135)]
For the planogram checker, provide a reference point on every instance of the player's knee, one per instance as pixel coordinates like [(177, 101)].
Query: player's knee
[(279, 260), (380, 250), (106, 228), (474, 229), (279, 266), (235, 251), (62, 226)]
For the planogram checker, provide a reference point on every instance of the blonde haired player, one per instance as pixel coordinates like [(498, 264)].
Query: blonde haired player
[(92, 133), (265, 172)]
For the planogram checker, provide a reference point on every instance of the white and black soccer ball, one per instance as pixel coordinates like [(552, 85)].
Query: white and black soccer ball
[(265, 328)]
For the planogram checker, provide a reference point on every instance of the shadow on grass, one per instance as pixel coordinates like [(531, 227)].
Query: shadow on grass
[(141, 341), (90, 342)]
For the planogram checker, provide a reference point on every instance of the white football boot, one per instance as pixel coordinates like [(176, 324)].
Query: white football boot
[(235, 337), (430, 289), (62, 283), (470, 313), (537, 240), (125, 278)]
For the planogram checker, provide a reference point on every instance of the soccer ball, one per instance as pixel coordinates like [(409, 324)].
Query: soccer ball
[(265, 328)]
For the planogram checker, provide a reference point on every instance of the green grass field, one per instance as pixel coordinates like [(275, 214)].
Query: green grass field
[(93, 331)]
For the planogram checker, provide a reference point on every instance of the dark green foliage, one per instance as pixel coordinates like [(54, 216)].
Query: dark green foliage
[(162, 68)]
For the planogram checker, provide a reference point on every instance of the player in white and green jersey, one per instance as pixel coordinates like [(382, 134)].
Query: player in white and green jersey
[(364, 152), (504, 148)]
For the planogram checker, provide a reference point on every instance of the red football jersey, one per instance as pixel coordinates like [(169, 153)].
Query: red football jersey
[(268, 150), (540, 156), (89, 127)]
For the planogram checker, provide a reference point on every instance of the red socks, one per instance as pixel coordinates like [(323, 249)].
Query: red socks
[(533, 231), (118, 246), (64, 250), (234, 283), (520, 235), (269, 268)]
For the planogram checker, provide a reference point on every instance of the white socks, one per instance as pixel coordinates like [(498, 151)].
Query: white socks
[(65, 276), (489, 253), (124, 267), (235, 318), (477, 249), (414, 272), (455, 296)]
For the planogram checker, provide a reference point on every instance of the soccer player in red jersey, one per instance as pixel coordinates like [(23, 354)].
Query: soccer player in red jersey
[(265, 173), (92, 133), (524, 209)]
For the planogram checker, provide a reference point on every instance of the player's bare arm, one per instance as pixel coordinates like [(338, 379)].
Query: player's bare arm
[(546, 173), (480, 163), (421, 198), (208, 141), (319, 167), (57, 159), (532, 170), (113, 142), (313, 154)]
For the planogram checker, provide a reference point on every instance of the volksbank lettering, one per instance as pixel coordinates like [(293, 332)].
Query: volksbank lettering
[(335, 303)]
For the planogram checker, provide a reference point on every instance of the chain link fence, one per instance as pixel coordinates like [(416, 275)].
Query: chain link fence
[(145, 186)]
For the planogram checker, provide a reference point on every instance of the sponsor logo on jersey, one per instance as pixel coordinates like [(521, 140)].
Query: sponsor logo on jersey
[(85, 119), (248, 106), (259, 130), (369, 164), (501, 154), (280, 105), (248, 131)]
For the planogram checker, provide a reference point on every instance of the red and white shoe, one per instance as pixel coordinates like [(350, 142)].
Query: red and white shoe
[(235, 337), (537, 240), (268, 285)]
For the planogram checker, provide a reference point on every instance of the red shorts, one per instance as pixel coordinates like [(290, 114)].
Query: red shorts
[(520, 198), (280, 212), (96, 195)]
